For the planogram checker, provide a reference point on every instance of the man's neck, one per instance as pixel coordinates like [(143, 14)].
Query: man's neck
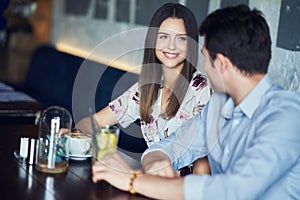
[(242, 86)]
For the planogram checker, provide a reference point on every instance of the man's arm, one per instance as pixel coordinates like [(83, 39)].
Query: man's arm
[(178, 150), (115, 171), (169, 188)]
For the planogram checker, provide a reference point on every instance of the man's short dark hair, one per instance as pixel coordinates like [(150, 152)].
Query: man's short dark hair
[(240, 34)]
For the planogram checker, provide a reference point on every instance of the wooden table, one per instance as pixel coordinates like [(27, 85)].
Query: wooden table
[(22, 181), (11, 135)]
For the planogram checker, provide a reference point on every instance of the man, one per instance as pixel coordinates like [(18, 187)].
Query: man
[(249, 130)]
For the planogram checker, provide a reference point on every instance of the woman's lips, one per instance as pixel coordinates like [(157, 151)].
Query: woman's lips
[(170, 55)]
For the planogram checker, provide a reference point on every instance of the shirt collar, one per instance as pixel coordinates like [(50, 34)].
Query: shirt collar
[(251, 102)]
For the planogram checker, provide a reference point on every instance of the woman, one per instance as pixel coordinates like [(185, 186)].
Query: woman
[(170, 89)]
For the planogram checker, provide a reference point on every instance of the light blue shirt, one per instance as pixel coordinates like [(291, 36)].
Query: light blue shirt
[(253, 148)]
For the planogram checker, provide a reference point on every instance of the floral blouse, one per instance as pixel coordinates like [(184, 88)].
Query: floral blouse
[(126, 109)]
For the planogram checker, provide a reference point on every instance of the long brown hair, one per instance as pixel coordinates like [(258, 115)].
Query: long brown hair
[(151, 72)]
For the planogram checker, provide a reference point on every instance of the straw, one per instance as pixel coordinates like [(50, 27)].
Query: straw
[(92, 120)]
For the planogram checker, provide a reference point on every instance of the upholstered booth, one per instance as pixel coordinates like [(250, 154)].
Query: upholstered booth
[(51, 78)]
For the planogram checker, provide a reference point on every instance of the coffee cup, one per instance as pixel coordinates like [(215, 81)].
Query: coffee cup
[(78, 145)]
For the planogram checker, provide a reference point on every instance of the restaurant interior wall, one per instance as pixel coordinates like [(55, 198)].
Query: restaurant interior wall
[(113, 31)]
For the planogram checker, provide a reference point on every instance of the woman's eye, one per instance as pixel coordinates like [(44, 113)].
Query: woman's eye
[(163, 37), (182, 38)]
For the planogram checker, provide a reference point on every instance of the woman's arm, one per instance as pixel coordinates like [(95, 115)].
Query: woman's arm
[(102, 117)]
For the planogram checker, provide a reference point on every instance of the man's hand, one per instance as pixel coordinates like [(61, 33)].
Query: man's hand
[(114, 170)]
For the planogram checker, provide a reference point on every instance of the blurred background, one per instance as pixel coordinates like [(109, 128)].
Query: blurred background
[(80, 27)]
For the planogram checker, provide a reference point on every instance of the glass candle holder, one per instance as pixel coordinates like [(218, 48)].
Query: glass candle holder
[(54, 124)]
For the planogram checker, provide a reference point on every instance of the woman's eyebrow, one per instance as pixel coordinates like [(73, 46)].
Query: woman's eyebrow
[(181, 34), (163, 33)]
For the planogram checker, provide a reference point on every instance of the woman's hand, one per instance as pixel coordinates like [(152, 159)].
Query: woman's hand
[(161, 168), (84, 126), (201, 166), (157, 163), (114, 170)]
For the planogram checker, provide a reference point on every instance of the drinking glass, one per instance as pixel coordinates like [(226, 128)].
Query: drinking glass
[(104, 141)]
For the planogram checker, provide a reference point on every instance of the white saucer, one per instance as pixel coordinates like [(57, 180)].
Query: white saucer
[(79, 157)]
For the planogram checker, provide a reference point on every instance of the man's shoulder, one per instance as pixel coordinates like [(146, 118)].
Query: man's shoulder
[(283, 104), (278, 96)]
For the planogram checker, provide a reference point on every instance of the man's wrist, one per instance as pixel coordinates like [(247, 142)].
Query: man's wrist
[(132, 180)]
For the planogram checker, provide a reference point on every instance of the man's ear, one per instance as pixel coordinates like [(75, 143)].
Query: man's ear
[(222, 63)]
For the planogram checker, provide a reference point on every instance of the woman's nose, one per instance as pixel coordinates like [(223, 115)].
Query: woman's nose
[(172, 44)]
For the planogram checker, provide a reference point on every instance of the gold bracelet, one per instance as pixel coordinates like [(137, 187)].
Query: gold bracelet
[(134, 175)]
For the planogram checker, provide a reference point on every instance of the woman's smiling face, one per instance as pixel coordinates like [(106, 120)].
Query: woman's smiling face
[(171, 43)]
